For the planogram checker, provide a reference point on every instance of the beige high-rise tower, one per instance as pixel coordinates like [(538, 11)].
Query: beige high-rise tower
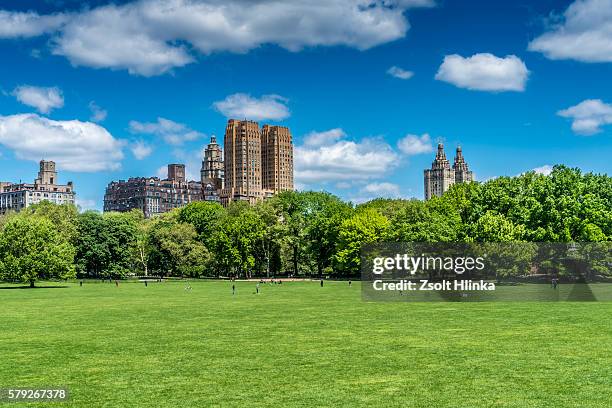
[(277, 159), (242, 158)]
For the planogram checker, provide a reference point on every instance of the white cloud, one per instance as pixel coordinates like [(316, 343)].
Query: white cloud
[(343, 160), (86, 204), (151, 37), (43, 99), (30, 24), (544, 170), (343, 185), (376, 190), (241, 106), (162, 172), (140, 149), (388, 190), (484, 72), (588, 116), (97, 113), (73, 145), (585, 34), (171, 132), (314, 139), (414, 144), (400, 73)]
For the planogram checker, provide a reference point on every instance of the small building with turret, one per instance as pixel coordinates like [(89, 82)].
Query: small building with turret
[(16, 196)]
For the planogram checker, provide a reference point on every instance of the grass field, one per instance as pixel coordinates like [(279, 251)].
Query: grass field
[(299, 345)]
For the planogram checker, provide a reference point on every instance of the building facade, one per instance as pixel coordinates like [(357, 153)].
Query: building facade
[(152, 195), (212, 171), (441, 176), (16, 196), (242, 157), (276, 159), (258, 162)]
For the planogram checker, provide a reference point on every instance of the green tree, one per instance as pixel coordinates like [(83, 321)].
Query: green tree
[(176, 250), (204, 216), (31, 249), (364, 227)]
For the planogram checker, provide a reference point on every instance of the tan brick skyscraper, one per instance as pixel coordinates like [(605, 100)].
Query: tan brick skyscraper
[(242, 156), (277, 159)]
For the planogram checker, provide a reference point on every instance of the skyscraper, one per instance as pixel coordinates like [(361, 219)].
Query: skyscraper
[(242, 156), (441, 176), (276, 158), (258, 163)]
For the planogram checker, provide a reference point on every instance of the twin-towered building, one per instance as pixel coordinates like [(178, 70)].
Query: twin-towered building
[(441, 176), (256, 163)]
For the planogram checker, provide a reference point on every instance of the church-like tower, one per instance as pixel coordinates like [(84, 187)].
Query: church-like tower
[(462, 171), (441, 176), (212, 165)]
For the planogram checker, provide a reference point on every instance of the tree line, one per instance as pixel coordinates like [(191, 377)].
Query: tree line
[(298, 233)]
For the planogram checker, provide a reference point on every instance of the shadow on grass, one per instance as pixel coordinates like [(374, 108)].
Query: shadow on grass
[(35, 287)]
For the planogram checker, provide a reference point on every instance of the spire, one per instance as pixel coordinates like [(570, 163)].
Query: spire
[(440, 155), (213, 139)]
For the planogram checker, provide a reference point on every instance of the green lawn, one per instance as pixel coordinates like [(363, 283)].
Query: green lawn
[(297, 344)]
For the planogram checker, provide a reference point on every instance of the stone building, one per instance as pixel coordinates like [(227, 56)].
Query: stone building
[(441, 176), (15, 196), (152, 195), (258, 162), (212, 171)]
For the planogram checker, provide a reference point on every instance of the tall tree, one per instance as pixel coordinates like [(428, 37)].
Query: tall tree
[(31, 249)]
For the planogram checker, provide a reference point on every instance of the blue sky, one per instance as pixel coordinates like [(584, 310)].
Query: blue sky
[(520, 85)]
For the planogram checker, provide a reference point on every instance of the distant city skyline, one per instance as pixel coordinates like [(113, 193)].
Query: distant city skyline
[(367, 92)]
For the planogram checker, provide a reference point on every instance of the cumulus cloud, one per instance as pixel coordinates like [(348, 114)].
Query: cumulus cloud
[(314, 139), (414, 144), (544, 170), (376, 190), (97, 113), (30, 24), (400, 73), (73, 145), (385, 190), (85, 204), (343, 160), (585, 33), (484, 72), (43, 99), (240, 105), (588, 116), (151, 37), (171, 132), (140, 149)]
